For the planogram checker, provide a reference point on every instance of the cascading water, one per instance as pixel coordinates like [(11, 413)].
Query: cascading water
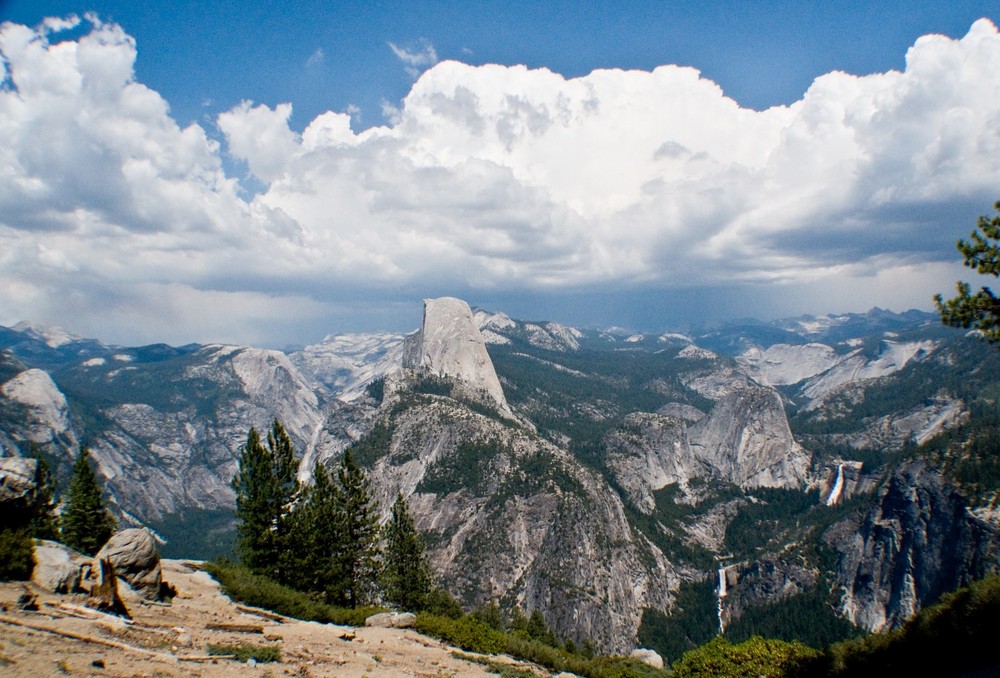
[(722, 594), (838, 487)]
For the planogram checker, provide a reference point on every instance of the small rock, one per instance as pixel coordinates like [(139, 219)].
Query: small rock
[(647, 656)]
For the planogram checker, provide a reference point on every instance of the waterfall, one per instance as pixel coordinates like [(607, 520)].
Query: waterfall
[(838, 487), (722, 591)]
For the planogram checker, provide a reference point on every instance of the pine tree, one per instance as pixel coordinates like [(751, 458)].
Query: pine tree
[(44, 521), (86, 522), (356, 559), (406, 574), (982, 309), (314, 536), (265, 489)]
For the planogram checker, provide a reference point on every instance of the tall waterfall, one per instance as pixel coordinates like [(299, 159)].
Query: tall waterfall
[(722, 591), (838, 487)]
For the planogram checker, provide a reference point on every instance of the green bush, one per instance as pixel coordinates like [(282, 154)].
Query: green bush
[(243, 652), (755, 657), (17, 555), (242, 585), (466, 633)]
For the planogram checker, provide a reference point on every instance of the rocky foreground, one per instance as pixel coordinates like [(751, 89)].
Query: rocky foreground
[(62, 637)]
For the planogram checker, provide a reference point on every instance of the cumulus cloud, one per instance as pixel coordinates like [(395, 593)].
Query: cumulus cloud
[(487, 180)]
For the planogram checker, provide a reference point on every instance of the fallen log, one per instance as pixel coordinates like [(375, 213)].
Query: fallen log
[(238, 628), (262, 613), (170, 658)]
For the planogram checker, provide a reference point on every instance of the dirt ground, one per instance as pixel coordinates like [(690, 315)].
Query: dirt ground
[(172, 640)]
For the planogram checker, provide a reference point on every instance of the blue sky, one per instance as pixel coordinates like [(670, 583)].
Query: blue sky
[(177, 176)]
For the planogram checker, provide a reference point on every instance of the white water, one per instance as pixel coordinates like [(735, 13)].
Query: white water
[(722, 594), (838, 487)]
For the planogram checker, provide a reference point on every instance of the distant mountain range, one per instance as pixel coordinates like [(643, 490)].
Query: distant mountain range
[(617, 482)]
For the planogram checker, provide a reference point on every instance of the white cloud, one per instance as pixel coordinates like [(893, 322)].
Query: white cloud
[(415, 60), (316, 58), (487, 180)]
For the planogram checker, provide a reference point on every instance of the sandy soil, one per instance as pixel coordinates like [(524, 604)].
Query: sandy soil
[(172, 640)]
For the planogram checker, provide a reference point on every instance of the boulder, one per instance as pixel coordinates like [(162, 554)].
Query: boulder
[(133, 554), (60, 569), (651, 657), (392, 620)]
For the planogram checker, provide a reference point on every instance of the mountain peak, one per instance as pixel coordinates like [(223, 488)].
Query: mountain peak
[(52, 335), (449, 344)]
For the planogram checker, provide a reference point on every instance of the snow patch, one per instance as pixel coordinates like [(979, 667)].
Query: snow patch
[(93, 362)]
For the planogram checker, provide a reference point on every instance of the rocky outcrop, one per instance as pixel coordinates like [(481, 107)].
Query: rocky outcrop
[(449, 344), (46, 411), (513, 519), (649, 452), (916, 542), (60, 569), (18, 483), (746, 440), (763, 582), (133, 554), (392, 620)]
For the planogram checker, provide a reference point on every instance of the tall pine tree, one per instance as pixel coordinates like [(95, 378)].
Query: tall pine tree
[(314, 535), (265, 489), (406, 573), (356, 560), (86, 522)]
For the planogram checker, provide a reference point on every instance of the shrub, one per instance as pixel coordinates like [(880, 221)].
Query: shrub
[(754, 657), (243, 652), (17, 555), (240, 584), (466, 633)]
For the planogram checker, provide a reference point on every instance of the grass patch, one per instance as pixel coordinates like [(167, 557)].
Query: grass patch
[(241, 585), (244, 652), (473, 635), (502, 670)]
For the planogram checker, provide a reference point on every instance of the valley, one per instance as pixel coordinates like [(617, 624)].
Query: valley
[(803, 478)]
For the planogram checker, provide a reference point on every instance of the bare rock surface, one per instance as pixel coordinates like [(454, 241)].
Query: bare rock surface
[(58, 568), (172, 640), (449, 344), (135, 559), (17, 481)]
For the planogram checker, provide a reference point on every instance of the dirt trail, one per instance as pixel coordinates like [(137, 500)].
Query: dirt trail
[(172, 640)]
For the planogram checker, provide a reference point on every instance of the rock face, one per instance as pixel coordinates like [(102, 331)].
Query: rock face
[(650, 452), (134, 556), (17, 483), (60, 569), (746, 440), (917, 542), (762, 582), (513, 519), (449, 344)]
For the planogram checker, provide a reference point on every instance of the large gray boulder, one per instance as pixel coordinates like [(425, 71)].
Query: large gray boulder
[(134, 556), (60, 569)]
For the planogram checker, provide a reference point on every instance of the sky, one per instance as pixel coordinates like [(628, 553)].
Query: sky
[(269, 173)]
